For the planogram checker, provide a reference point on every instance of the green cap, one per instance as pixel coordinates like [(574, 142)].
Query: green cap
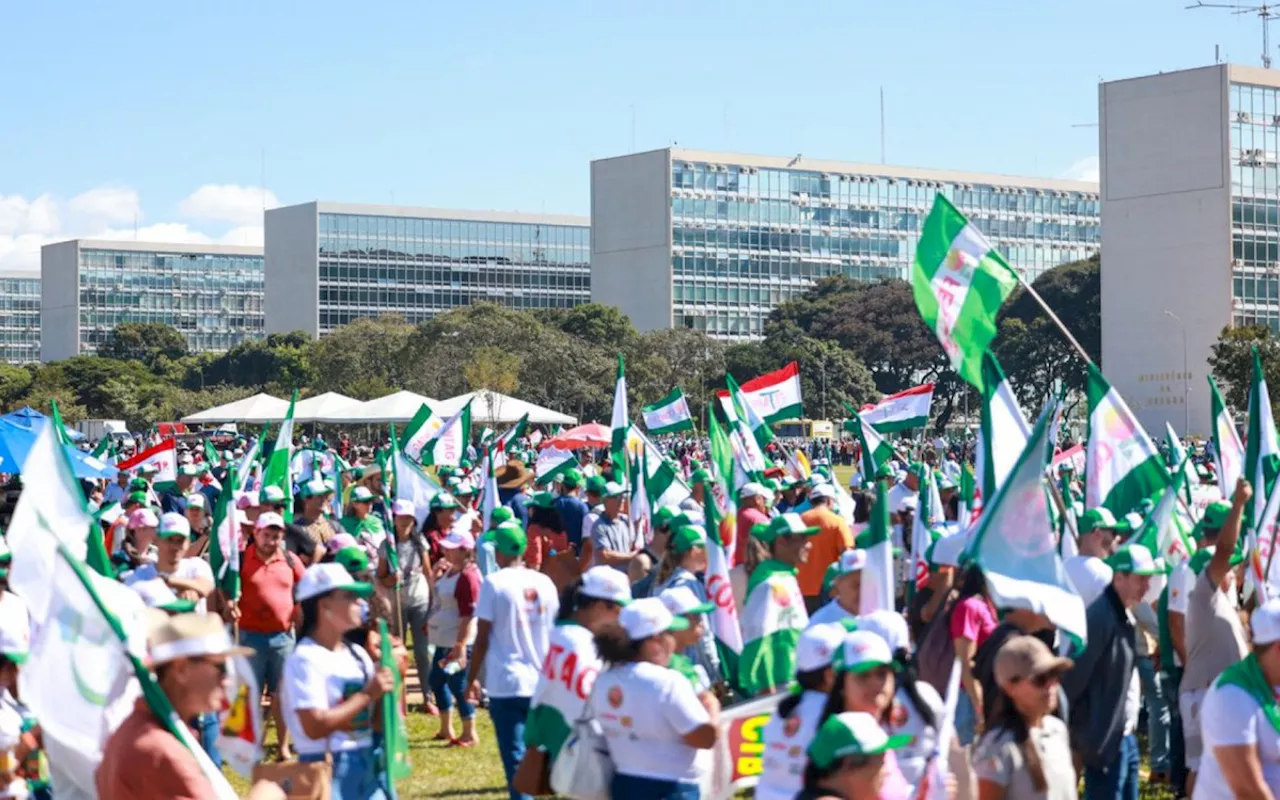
[(178, 606), (688, 537), (595, 485), (789, 524), (509, 539), (354, 559), (1136, 559), (361, 494), (500, 515), (1215, 516), (884, 471), (663, 516), (852, 733), (1096, 518), (139, 484), (442, 501), (612, 489), (543, 500), (572, 478), (699, 475), (136, 497)]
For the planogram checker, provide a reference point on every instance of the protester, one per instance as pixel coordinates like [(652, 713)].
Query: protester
[(572, 510), (190, 578), (652, 720), (848, 759), (451, 631), (685, 559), (971, 621), (844, 583), (612, 541), (316, 497), (833, 538), (754, 501), (442, 511), (412, 585), (773, 615), (1096, 542)]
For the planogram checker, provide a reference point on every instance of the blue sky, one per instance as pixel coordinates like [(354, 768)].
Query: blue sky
[(161, 112)]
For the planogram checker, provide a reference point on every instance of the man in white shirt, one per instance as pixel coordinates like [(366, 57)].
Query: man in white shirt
[(190, 578), (516, 612), (1097, 541)]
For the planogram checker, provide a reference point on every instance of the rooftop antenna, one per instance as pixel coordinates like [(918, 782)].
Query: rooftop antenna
[(1266, 13), (882, 158)]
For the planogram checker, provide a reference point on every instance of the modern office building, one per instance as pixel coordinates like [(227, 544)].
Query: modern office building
[(19, 317), (1191, 214), (330, 263), (212, 294), (713, 241)]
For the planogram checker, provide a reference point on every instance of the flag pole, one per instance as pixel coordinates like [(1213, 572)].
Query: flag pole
[(1054, 317)]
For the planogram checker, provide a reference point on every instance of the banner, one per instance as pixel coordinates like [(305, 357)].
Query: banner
[(902, 411), (739, 750)]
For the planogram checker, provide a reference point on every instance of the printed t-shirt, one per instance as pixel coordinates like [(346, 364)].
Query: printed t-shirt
[(316, 677), (1229, 716), (568, 673), (785, 743), (645, 711), (520, 605)]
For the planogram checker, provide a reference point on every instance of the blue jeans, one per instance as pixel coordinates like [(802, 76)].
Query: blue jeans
[(1155, 695), (269, 653), (1177, 745), (1117, 781), (966, 719), (356, 774), (207, 726), (446, 688), (633, 787), (509, 714)]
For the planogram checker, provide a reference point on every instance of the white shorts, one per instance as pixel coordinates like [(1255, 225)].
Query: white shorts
[(1189, 703)]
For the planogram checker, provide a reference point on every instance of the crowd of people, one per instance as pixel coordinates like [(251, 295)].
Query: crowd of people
[(552, 608)]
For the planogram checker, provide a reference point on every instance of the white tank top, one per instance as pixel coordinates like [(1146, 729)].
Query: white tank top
[(442, 625), (785, 744)]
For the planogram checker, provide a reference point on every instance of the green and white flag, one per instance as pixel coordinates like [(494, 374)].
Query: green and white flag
[(276, 472), (1123, 466), (448, 446), (875, 450), (224, 550), (1014, 543), (662, 479), (668, 415), (959, 281), (514, 434), (1180, 464), (620, 421), (773, 617), (1226, 443), (420, 430), (552, 463), (719, 521), (877, 576), (1262, 450), (1003, 430), (412, 483), (746, 414), (640, 511), (1167, 532)]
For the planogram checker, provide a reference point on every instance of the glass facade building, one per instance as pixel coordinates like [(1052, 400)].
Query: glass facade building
[(19, 317), (366, 261), (1254, 126), (750, 232), (213, 295)]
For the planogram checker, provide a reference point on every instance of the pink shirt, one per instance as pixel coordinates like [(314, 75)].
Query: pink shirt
[(973, 619), (747, 519), (894, 786)]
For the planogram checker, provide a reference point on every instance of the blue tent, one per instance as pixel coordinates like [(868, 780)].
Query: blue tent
[(16, 441), (27, 417)]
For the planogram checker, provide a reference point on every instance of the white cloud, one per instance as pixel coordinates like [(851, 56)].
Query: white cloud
[(239, 205), (176, 232), (107, 204), (1086, 169), (20, 216), (244, 235)]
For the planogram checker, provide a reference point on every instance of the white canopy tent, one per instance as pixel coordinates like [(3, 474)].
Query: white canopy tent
[(327, 407), (258, 409), (496, 408), (398, 407)]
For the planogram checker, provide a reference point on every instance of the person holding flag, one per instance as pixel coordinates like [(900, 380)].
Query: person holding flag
[(684, 561), (774, 616), (1098, 538)]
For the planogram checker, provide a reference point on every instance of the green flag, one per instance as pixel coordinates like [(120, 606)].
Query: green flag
[(276, 472), (875, 450), (1123, 466), (224, 554), (1262, 449), (669, 415), (877, 576), (395, 742), (747, 414), (959, 281), (620, 420)]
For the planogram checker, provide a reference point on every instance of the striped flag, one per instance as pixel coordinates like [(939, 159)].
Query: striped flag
[(419, 431), (448, 446), (1003, 430), (902, 411), (552, 463), (620, 421), (875, 450), (276, 471), (224, 541), (669, 415), (775, 396), (1123, 466), (1226, 443)]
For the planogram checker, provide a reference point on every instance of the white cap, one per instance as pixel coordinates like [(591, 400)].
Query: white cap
[(143, 518), (403, 508), (459, 538), (269, 519), (649, 617), (818, 646), (753, 489), (681, 600), (821, 491), (852, 561), (888, 625), (196, 500), (606, 583), (863, 650), (1266, 622), (328, 577), (247, 500), (172, 523)]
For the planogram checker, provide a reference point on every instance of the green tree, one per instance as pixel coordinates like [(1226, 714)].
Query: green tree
[(14, 383), (597, 324), (278, 363), (366, 348), (1231, 361), (143, 341), (674, 357)]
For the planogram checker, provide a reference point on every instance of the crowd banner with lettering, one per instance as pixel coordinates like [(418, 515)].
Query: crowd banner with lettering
[(739, 751)]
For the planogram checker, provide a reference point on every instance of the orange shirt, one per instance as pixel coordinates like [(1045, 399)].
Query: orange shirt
[(142, 761), (832, 539)]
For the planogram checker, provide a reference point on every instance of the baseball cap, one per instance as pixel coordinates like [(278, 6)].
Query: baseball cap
[(687, 538), (888, 625), (543, 500), (443, 500), (699, 475), (1022, 657), (353, 559), (1265, 622), (464, 488), (139, 484), (510, 539), (822, 491), (1135, 558), (361, 494), (753, 489), (1096, 518), (818, 646), (148, 469), (613, 489), (270, 519), (572, 478), (649, 617), (1215, 516), (789, 524), (191, 635), (174, 524), (908, 503), (324, 578), (188, 470), (595, 485), (247, 500), (663, 516), (313, 488), (500, 515), (197, 500), (884, 471), (852, 733), (143, 518), (862, 651), (340, 542), (403, 508), (606, 583), (271, 496), (681, 600), (458, 538), (136, 497)]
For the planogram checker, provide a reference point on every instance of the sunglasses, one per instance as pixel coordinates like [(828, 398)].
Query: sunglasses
[(219, 664)]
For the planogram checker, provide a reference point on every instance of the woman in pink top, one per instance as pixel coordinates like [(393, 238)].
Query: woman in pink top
[(973, 618)]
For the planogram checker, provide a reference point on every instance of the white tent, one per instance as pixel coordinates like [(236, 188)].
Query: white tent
[(398, 407), (495, 408), (258, 409), (328, 407)]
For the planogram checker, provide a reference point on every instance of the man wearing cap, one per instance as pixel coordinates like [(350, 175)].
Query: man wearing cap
[(774, 615), (1214, 634), (845, 577), (753, 509), (1103, 687), (695, 503), (174, 498), (613, 543), (266, 609), (116, 492), (573, 512), (909, 486), (190, 578), (361, 522), (316, 496), (834, 537), (142, 760), (296, 538), (1097, 541), (1240, 719)]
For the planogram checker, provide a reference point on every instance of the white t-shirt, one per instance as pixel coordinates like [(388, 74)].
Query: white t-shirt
[(316, 677), (196, 568), (10, 738), (905, 719), (520, 605), (1089, 575), (1229, 716), (1181, 580), (832, 611), (645, 711), (785, 743), (897, 493), (569, 671)]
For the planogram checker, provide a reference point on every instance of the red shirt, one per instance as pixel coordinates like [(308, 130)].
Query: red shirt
[(748, 518), (266, 591), (143, 761)]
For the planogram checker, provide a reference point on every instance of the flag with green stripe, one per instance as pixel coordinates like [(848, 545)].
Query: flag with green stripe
[(1123, 466), (669, 415), (619, 421)]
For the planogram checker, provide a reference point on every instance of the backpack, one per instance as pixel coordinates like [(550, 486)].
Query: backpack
[(937, 651)]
